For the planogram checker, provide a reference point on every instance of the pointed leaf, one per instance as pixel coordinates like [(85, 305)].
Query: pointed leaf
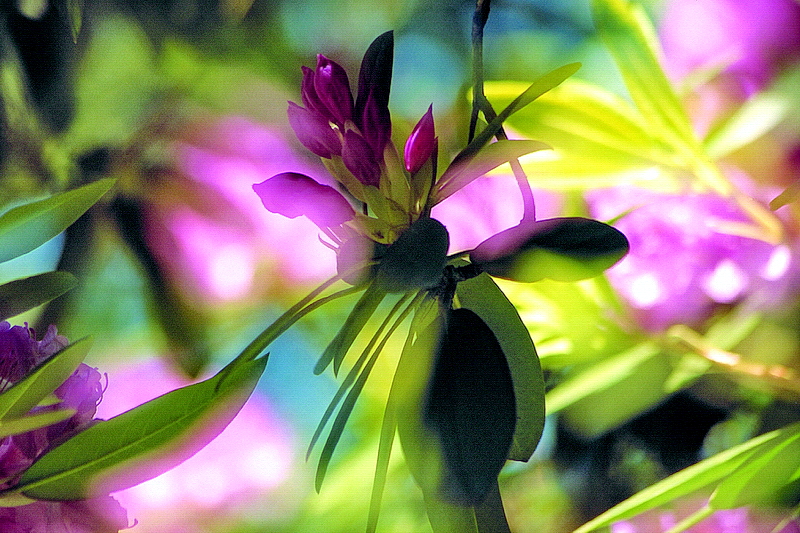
[(17, 426), (24, 294), (75, 10), (482, 296), (687, 481), (562, 249), (463, 171), (25, 394), (26, 227), (143, 442), (356, 320)]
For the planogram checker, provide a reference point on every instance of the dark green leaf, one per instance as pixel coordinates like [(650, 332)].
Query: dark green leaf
[(43, 380), (470, 406), (29, 423), (143, 442), (375, 75), (482, 296), (24, 294), (562, 249), (416, 259), (28, 226)]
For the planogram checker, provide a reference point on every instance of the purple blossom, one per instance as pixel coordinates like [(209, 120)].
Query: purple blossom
[(291, 194), (421, 144), (685, 258), (753, 38), (20, 353)]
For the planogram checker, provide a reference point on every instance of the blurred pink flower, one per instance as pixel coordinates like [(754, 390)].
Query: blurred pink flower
[(683, 262), (753, 38), (210, 231), (250, 458), (739, 520), (20, 352)]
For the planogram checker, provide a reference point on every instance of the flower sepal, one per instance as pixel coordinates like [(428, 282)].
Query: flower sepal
[(561, 249)]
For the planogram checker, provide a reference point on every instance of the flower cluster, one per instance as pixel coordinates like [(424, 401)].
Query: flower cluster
[(20, 353)]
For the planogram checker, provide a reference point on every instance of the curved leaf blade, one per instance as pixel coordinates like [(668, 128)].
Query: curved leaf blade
[(24, 294), (25, 394), (26, 227), (143, 442), (36, 421)]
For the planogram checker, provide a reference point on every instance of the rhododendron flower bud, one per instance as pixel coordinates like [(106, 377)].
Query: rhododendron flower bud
[(421, 144)]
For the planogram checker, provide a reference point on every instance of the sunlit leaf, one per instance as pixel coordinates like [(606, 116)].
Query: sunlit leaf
[(561, 249), (534, 91), (467, 169), (687, 481), (761, 478), (25, 394), (482, 295), (24, 294), (28, 226), (17, 426), (143, 442), (755, 117), (629, 35)]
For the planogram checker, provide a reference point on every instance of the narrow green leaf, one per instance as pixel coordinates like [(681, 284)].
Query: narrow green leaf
[(340, 421), (75, 9), (143, 442), (482, 296), (24, 294), (26, 394), (26, 227), (356, 320), (534, 91), (352, 375), (629, 35), (687, 481), (29, 423), (465, 170), (759, 480), (752, 119)]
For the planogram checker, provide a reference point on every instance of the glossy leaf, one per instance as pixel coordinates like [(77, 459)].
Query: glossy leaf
[(17, 426), (416, 259), (143, 442), (562, 249), (470, 406), (26, 227), (26, 394), (482, 296), (687, 481), (24, 294)]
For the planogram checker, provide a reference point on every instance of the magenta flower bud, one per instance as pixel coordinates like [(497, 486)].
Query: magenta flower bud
[(291, 194), (360, 160), (421, 143), (314, 132), (333, 90)]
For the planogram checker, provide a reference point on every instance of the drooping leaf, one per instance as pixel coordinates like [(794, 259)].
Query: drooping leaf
[(562, 249), (25, 394), (689, 480), (470, 406), (24, 294), (143, 442), (482, 296), (28, 226), (467, 169), (17, 426), (416, 259), (358, 317)]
